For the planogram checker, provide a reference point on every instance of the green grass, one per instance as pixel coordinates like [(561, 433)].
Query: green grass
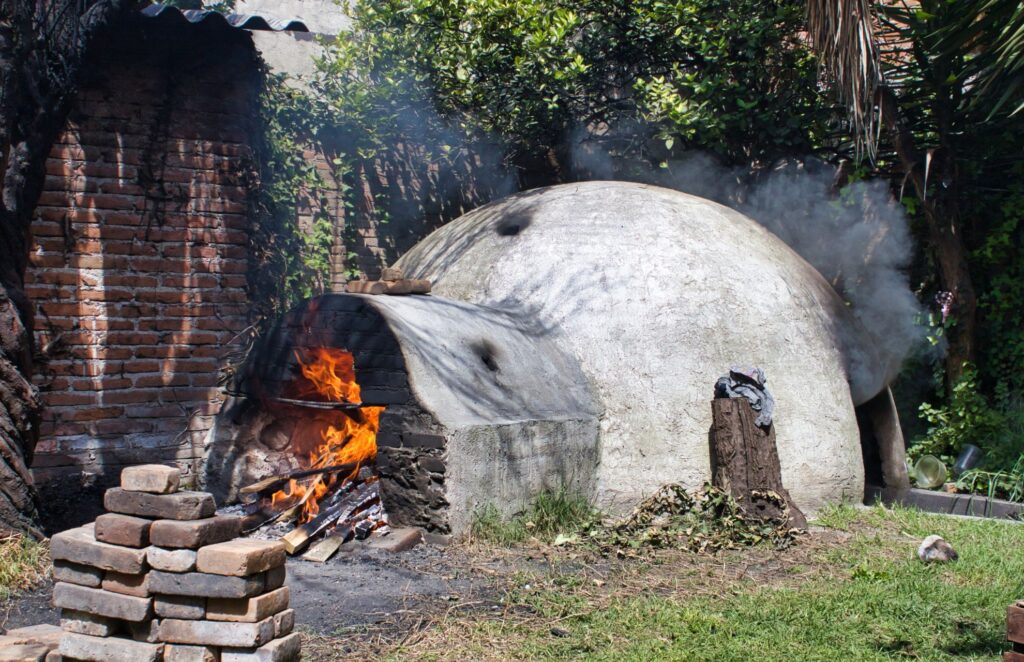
[(869, 598), (550, 514), (24, 562)]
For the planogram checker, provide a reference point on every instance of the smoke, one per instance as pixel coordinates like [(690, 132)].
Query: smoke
[(858, 238)]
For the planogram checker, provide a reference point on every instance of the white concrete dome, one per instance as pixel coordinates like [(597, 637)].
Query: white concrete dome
[(657, 293)]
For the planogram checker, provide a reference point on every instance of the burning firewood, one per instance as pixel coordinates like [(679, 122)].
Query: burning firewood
[(361, 497), (335, 492), (274, 483)]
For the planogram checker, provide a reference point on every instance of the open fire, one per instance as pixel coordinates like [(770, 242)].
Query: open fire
[(334, 490)]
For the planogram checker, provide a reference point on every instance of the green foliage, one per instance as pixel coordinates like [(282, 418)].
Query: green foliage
[(641, 79), (549, 514), (1001, 279), (295, 252), (935, 53), (967, 418), (995, 484)]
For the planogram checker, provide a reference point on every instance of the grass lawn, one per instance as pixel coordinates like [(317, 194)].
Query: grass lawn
[(852, 590)]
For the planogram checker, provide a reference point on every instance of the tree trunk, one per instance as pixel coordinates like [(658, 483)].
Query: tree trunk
[(945, 236), (42, 46), (745, 463)]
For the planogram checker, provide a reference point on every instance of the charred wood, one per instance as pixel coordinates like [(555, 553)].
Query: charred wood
[(363, 496)]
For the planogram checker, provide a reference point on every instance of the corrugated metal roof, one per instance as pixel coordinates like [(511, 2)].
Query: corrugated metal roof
[(240, 21)]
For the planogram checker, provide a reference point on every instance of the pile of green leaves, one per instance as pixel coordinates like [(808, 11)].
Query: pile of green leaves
[(706, 521)]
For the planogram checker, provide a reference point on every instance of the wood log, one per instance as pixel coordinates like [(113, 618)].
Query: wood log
[(745, 462), (274, 483), (391, 274), (366, 287)]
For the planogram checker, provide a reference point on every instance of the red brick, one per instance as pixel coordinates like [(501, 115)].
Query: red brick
[(106, 294), (83, 414), (108, 353), (102, 384), (122, 218), (47, 261), (192, 251), (148, 381), (58, 399), (221, 324), (100, 324), (121, 426), (183, 395), (194, 338), (108, 231), (205, 379), (142, 366), (47, 229), (133, 338), (98, 262), (190, 281), (153, 411), (133, 396)]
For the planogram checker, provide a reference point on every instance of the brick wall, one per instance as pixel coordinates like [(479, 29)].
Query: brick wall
[(139, 266)]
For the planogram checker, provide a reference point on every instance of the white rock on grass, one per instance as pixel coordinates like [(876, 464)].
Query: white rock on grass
[(934, 549)]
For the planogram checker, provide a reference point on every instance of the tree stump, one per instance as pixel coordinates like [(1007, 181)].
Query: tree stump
[(745, 462)]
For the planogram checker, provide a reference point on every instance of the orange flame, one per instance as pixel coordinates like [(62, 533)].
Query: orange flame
[(344, 438), (332, 372)]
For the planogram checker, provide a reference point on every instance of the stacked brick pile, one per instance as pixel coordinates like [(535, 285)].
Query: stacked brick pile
[(160, 577)]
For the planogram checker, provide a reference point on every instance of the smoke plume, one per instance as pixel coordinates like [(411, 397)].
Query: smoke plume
[(858, 238)]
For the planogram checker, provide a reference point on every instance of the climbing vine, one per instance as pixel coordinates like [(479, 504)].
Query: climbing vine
[(295, 227)]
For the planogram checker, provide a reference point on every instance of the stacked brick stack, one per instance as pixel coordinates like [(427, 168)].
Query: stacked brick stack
[(160, 577)]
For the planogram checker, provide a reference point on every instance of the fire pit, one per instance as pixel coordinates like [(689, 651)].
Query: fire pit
[(331, 442), (441, 406)]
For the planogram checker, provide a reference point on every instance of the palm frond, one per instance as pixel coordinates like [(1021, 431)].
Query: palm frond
[(990, 34), (842, 31)]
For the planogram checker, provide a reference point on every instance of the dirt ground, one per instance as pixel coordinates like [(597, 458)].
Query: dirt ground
[(355, 589), (363, 603)]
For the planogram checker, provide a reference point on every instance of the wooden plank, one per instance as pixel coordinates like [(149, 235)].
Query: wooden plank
[(366, 287), (392, 287), (1015, 624), (326, 548)]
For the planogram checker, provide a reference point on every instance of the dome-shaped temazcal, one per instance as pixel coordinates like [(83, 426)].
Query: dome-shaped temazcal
[(573, 339), (656, 293)]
